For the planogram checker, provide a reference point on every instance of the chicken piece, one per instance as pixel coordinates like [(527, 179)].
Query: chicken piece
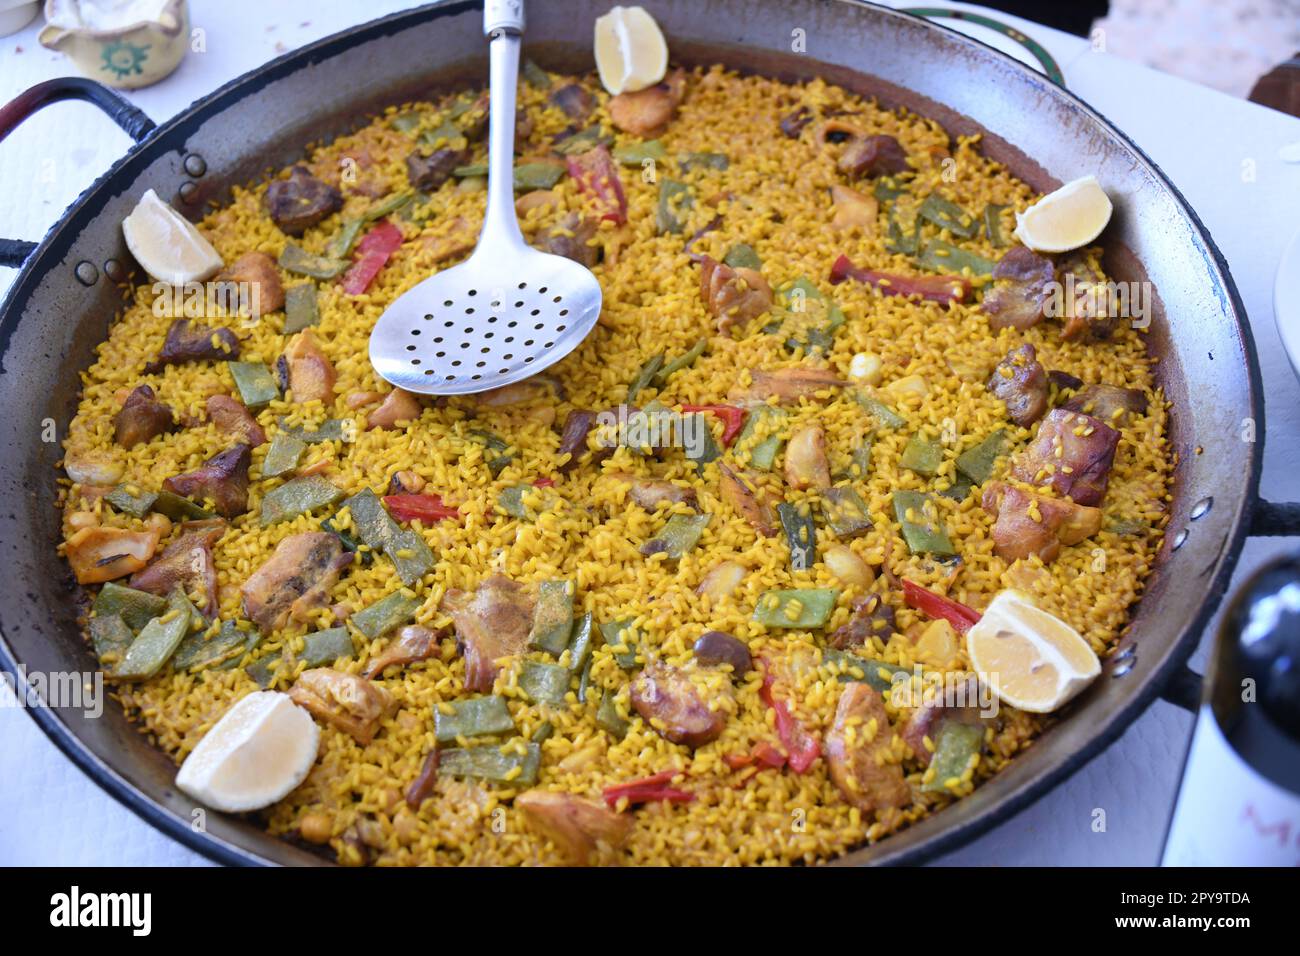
[(654, 493), (1072, 454), (427, 171), (571, 237), (259, 271), (535, 200), (944, 289), (398, 406), (1018, 299), (805, 459), (187, 562), (301, 201), (1020, 381), (574, 101), (98, 554), (1029, 523), (935, 709), (647, 111), (853, 210), (787, 385), (142, 418), (223, 478), (872, 156), (309, 374), (295, 580), (1087, 302), (413, 644), (857, 748), (669, 701), (233, 418), (750, 502), (732, 296), (579, 827), (456, 240), (187, 342), (491, 623), (352, 704), (872, 617), (1109, 403)]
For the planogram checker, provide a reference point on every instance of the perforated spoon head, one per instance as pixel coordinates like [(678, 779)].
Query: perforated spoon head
[(508, 311)]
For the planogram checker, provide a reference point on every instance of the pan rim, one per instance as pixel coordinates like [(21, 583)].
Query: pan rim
[(946, 838)]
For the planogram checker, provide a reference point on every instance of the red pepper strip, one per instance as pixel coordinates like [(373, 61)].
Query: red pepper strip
[(655, 787), (802, 748), (596, 175), (733, 416), (544, 483), (372, 253), (768, 756), (958, 615), (736, 761), (945, 288), (427, 508)]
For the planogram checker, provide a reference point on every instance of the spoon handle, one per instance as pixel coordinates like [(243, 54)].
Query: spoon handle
[(503, 22)]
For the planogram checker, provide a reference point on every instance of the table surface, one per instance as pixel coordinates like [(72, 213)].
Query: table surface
[(50, 813)]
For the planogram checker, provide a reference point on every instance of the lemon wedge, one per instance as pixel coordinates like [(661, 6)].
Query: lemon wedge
[(630, 50), (1030, 659), (258, 751), (1071, 217), (166, 244)]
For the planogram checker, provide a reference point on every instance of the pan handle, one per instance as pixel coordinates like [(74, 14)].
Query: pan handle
[(1036, 49), (13, 252)]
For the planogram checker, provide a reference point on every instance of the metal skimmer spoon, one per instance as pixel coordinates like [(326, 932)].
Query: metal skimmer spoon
[(508, 311)]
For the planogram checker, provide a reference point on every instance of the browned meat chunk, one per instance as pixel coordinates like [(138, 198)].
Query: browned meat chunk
[(352, 704), (259, 271), (223, 478), (750, 502), (647, 111), (413, 644), (491, 623), (937, 709), (398, 405), (580, 828), (1089, 310), (233, 418), (98, 554), (872, 617), (1020, 381), (1110, 403), (428, 171), (787, 384), (1017, 302), (474, 121), (857, 749), (574, 101), (573, 437), (873, 156), (853, 210), (142, 418), (295, 580), (1071, 454), (719, 647), (733, 296), (1029, 523), (792, 124), (187, 561), (669, 702), (186, 342), (301, 201), (310, 375), (653, 493), (405, 483), (570, 237), (806, 465)]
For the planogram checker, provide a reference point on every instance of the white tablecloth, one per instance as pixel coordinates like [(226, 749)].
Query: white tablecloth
[(52, 814)]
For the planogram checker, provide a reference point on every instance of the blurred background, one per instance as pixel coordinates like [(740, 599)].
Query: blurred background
[(1230, 45)]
